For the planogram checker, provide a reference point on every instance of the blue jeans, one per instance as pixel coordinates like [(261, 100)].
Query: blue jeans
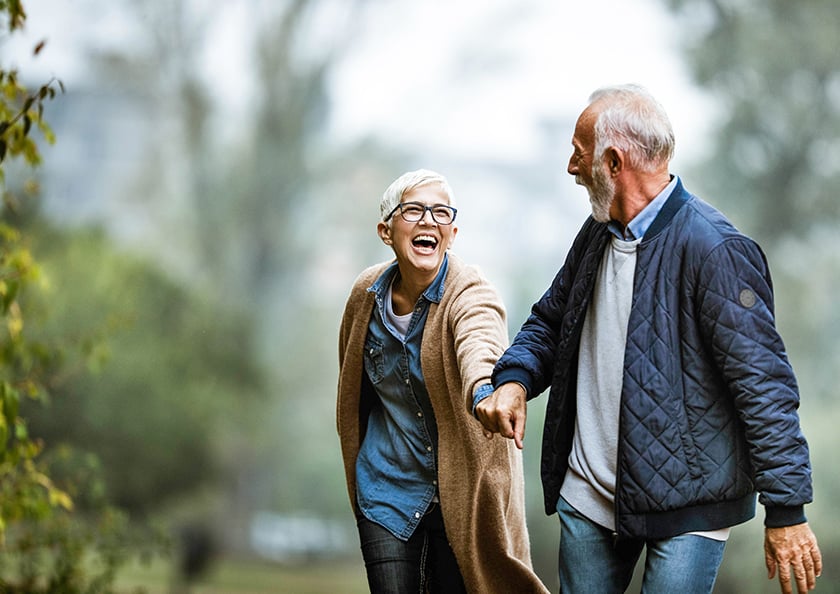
[(425, 563), (590, 561)]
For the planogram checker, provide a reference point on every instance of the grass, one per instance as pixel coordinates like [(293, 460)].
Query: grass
[(231, 576)]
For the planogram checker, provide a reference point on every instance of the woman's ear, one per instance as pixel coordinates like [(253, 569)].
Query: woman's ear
[(384, 232), (452, 236)]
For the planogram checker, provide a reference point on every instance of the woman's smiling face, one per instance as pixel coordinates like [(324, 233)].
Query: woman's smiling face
[(420, 246)]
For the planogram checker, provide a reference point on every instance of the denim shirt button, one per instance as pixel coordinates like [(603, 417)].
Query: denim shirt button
[(396, 493)]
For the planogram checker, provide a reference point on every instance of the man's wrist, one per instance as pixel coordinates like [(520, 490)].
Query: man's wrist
[(515, 375)]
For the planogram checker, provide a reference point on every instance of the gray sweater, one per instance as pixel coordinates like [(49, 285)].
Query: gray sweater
[(589, 485)]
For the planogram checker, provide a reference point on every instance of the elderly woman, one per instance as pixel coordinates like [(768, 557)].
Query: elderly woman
[(439, 508)]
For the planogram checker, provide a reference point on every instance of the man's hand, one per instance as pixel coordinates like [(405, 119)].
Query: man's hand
[(503, 412), (796, 546)]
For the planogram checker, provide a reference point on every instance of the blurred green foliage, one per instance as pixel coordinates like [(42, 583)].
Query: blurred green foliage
[(174, 376), (26, 491), (44, 546)]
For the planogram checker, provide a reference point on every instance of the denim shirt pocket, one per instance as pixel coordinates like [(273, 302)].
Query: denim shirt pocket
[(374, 360)]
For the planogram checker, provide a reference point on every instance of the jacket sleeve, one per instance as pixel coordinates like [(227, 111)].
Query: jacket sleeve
[(735, 300), (530, 360)]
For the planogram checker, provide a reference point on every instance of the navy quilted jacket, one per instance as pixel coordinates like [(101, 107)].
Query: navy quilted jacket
[(709, 400)]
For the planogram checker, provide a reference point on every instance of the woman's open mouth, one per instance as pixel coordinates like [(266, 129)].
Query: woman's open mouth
[(425, 243)]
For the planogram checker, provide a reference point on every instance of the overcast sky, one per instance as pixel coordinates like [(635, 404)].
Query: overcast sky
[(426, 73), (542, 62)]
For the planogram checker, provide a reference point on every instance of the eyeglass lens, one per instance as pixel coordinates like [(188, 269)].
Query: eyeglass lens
[(412, 212)]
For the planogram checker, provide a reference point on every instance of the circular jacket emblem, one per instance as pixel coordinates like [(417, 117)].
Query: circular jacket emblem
[(747, 298)]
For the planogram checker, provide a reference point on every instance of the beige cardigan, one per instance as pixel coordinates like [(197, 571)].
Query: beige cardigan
[(481, 481)]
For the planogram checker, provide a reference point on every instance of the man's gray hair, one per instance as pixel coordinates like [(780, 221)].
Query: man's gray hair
[(635, 122), (409, 181)]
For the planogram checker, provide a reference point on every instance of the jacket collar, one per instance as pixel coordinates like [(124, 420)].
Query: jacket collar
[(674, 202)]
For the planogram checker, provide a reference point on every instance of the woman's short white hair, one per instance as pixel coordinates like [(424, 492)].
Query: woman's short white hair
[(409, 181), (634, 121)]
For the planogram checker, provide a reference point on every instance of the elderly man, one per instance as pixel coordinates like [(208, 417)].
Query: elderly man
[(672, 401)]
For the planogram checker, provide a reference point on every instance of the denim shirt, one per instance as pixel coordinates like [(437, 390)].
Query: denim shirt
[(396, 470)]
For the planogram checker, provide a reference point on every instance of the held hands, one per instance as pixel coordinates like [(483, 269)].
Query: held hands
[(503, 412), (796, 546)]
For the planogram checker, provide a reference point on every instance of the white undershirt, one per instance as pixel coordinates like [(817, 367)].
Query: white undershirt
[(400, 323)]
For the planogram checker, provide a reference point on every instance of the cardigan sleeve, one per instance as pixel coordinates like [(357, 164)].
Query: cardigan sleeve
[(530, 360), (479, 328)]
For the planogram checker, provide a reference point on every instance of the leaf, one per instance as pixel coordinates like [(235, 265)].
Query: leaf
[(60, 498), (14, 322), (11, 406), (8, 296), (2, 149), (22, 434)]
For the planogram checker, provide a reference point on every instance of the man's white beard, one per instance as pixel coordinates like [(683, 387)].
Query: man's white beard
[(601, 194)]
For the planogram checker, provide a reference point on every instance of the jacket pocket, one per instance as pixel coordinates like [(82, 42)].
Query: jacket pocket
[(374, 360)]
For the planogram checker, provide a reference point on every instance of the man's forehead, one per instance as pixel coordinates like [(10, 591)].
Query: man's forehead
[(584, 128)]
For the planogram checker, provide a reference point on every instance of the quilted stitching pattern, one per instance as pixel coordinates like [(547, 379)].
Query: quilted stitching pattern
[(709, 404), (709, 397)]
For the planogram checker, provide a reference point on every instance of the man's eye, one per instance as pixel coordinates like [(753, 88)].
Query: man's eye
[(412, 209)]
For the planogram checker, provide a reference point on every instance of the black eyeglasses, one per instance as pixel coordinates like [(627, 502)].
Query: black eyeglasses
[(411, 212)]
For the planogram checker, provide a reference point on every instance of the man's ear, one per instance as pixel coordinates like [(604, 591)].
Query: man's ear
[(615, 160), (384, 232)]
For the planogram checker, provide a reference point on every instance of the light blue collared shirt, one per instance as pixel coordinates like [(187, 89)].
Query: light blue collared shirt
[(637, 228)]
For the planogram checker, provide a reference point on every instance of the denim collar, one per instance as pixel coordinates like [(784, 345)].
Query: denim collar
[(433, 293)]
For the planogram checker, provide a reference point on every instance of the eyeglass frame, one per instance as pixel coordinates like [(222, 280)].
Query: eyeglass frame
[(422, 216)]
